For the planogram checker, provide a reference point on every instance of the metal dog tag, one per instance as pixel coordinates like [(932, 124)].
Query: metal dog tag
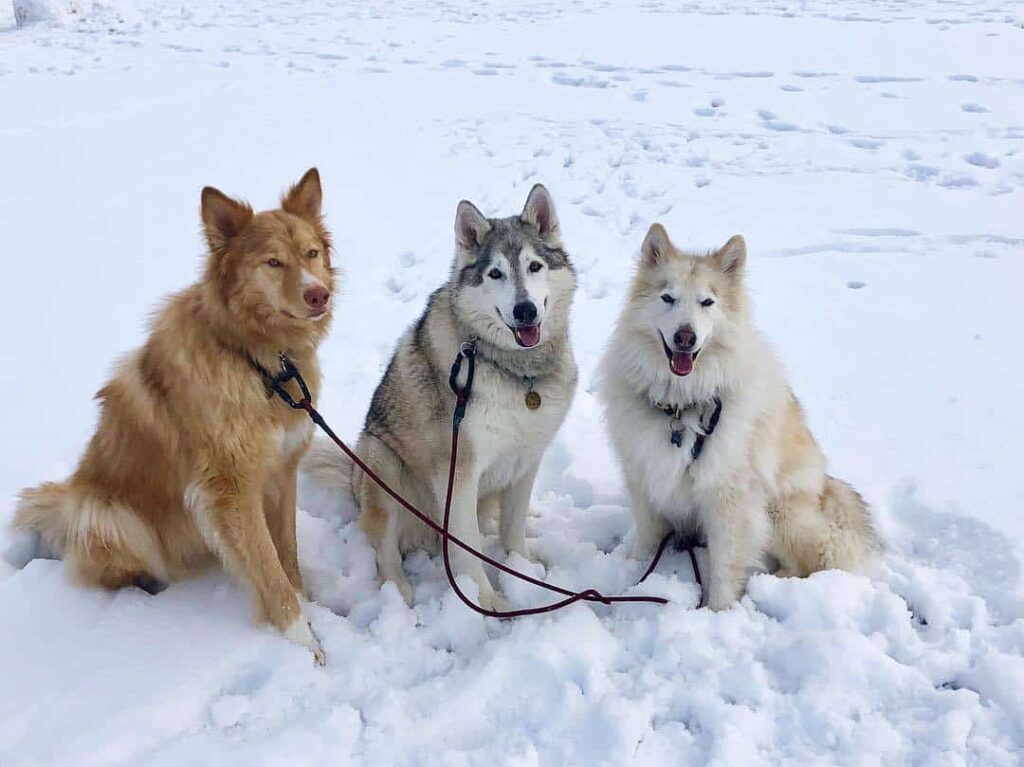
[(532, 400)]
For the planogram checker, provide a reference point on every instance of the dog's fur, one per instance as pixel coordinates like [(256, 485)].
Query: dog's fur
[(759, 484), (192, 459), (406, 437)]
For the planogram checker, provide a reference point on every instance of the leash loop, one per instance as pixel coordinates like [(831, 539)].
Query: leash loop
[(467, 351), (289, 372)]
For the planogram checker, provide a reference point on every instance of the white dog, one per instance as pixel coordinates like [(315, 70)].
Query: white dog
[(708, 432)]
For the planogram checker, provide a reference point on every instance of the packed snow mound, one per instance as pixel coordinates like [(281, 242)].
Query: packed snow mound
[(869, 153)]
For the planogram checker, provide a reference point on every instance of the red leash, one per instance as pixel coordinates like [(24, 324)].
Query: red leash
[(290, 372)]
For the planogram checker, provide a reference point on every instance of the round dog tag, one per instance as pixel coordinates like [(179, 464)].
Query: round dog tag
[(532, 400)]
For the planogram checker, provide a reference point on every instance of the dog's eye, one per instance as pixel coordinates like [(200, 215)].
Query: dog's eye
[(667, 298), (707, 302), (273, 262), (536, 266), (494, 274), (313, 253)]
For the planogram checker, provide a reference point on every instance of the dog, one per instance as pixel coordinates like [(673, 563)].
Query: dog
[(509, 293), (708, 432), (193, 459)]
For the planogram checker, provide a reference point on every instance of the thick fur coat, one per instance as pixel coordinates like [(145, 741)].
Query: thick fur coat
[(757, 484), (192, 460)]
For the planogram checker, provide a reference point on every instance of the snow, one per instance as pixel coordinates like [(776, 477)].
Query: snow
[(872, 155)]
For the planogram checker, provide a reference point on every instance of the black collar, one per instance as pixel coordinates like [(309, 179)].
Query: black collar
[(678, 428)]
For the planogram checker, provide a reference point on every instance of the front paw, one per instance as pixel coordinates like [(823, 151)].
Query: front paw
[(301, 633), (641, 551), (492, 600), (722, 597)]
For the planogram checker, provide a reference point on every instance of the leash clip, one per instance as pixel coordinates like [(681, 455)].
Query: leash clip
[(467, 351), (289, 373)]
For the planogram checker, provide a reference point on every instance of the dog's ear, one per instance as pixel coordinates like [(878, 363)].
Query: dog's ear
[(471, 227), (304, 199), (223, 218), (540, 211), (657, 246), (732, 256)]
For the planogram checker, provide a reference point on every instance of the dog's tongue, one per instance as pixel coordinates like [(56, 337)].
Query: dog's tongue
[(681, 363), (527, 335)]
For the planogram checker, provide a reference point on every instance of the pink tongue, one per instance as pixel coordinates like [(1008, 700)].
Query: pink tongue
[(527, 335), (681, 363)]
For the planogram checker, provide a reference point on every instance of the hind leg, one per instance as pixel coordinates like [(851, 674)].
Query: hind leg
[(381, 522), (820, 531), (800, 534)]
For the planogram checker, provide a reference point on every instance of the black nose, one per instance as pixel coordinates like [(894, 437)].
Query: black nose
[(685, 338), (525, 312)]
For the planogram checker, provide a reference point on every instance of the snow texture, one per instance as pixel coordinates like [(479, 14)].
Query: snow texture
[(871, 153)]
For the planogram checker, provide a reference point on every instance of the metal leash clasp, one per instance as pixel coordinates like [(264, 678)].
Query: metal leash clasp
[(468, 352), (289, 373)]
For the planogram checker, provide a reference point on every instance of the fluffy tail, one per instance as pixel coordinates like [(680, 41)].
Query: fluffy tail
[(44, 513), (853, 540), (327, 465)]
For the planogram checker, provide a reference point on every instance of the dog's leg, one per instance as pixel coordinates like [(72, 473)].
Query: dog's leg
[(234, 521), (649, 528), (515, 505), (381, 521), (465, 525), (737, 531), (279, 507)]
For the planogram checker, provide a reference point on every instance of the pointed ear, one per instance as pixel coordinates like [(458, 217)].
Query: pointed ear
[(657, 246), (223, 218), (304, 199), (540, 211), (471, 226), (732, 257)]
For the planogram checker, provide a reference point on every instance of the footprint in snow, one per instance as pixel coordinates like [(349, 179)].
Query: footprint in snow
[(855, 284), (974, 108), (866, 143), (982, 160), (869, 79)]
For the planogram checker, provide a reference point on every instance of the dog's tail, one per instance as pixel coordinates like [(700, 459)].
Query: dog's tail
[(327, 465), (853, 541), (104, 542), (44, 515)]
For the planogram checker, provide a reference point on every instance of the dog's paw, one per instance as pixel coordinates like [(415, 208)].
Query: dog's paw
[(406, 590), (641, 551), (719, 599), (495, 601), (301, 633)]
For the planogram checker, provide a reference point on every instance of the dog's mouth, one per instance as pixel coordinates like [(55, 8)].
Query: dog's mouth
[(680, 363), (526, 335), (314, 314)]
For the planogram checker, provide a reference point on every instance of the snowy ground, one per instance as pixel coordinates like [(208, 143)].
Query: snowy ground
[(872, 154)]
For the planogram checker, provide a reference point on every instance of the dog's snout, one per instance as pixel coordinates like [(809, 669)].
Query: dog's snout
[(525, 312), (317, 297), (685, 338)]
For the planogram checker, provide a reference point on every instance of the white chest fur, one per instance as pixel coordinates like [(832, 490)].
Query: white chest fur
[(294, 438), (662, 472), (507, 437)]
